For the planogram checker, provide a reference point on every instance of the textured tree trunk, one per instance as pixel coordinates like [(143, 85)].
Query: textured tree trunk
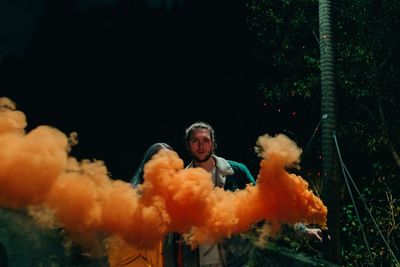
[(331, 182)]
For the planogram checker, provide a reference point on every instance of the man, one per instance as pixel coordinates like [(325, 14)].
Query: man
[(200, 143), (230, 175)]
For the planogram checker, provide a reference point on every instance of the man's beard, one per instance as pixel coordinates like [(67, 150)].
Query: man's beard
[(197, 159)]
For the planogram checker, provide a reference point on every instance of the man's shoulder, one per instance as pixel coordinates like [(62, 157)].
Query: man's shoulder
[(241, 175), (237, 165)]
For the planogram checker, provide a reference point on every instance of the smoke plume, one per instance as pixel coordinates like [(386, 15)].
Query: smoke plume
[(39, 174)]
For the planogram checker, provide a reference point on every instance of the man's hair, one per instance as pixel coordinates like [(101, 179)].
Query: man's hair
[(200, 125)]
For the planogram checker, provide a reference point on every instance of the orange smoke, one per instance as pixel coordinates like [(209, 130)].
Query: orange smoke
[(278, 197), (37, 171), (29, 163)]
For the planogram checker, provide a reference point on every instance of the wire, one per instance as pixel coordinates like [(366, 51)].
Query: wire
[(311, 139), (352, 199), (344, 168), (373, 219)]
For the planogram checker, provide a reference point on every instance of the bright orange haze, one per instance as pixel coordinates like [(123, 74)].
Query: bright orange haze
[(37, 172)]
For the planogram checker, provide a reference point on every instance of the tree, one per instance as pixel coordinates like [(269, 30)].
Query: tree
[(331, 182), (367, 71)]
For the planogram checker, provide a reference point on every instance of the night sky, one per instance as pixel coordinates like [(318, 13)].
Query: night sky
[(124, 76)]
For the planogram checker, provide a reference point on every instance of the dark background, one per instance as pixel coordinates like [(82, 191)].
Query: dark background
[(124, 75)]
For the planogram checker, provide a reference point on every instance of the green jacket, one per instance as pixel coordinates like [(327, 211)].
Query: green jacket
[(231, 175)]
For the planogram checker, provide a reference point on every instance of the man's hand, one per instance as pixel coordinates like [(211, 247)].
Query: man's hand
[(314, 233)]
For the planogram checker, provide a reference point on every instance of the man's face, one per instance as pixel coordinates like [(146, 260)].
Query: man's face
[(200, 145)]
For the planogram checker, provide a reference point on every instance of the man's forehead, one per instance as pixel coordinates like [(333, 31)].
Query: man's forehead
[(200, 133)]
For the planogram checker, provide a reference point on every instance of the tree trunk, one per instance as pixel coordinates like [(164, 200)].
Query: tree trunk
[(331, 183)]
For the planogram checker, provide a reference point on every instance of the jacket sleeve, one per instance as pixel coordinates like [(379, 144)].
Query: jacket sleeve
[(247, 174), (241, 176)]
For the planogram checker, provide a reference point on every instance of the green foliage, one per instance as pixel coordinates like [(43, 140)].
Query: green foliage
[(368, 62), (368, 68), (367, 83), (287, 31), (385, 209)]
